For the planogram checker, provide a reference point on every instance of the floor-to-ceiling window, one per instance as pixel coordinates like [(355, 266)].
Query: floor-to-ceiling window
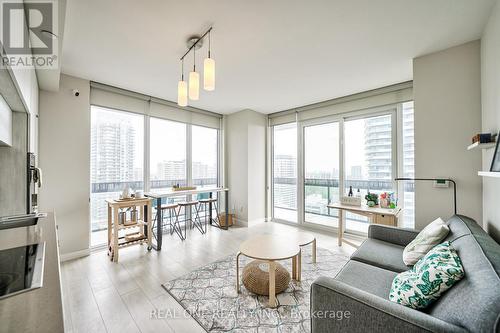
[(284, 172), (177, 153), (116, 162), (167, 154), (408, 164), (368, 160), (363, 150), (321, 172), (205, 145)]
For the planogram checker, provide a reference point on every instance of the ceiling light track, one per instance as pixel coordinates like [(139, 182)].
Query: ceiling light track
[(196, 43)]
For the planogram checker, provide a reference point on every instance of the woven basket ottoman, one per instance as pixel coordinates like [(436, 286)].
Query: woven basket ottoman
[(256, 277)]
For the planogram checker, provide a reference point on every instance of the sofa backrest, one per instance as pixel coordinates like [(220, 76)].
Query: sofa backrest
[(474, 302)]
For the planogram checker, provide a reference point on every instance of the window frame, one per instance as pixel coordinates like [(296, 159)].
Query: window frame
[(394, 110), (147, 155)]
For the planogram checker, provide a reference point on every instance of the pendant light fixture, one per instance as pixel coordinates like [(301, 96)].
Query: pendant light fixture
[(194, 81), (182, 89), (209, 69), (191, 88)]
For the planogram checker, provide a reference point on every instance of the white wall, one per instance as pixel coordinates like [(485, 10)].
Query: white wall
[(245, 164), (257, 126), (490, 91), (65, 160), (447, 95), (5, 123)]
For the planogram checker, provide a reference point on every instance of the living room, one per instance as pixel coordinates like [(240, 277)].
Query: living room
[(234, 166)]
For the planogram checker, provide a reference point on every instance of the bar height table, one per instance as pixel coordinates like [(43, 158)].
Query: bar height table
[(158, 196)]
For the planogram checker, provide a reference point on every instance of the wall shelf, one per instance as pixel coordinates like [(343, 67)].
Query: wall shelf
[(489, 174), (478, 145)]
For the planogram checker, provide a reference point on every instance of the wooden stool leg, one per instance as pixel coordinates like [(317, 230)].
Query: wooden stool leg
[(272, 284), (115, 236), (299, 266), (314, 250), (238, 272), (294, 268)]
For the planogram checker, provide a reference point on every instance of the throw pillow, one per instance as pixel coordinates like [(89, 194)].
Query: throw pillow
[(426, 239), (431, 276)]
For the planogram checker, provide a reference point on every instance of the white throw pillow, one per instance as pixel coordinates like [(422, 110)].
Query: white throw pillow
[(429, 237)]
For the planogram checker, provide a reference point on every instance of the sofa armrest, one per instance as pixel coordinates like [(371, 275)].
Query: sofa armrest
[(338, 307), (394, 235)]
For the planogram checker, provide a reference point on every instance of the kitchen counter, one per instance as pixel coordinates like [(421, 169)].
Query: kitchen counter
[(39, 310)]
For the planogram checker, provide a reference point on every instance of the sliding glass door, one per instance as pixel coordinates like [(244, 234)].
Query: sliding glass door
[(284, 165), (327, 156), (369, 160), (321, 172)]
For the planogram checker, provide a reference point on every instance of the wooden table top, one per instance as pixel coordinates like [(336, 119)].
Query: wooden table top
[(269, 247), (127, 202), (172, 193), (365, 209), (300, 238)]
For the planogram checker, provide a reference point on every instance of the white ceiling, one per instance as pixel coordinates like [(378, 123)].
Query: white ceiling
[(270, 55)]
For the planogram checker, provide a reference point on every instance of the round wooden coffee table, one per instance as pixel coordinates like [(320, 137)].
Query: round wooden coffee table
[(269, 248)]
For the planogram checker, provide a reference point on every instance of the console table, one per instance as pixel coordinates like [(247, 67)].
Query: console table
[(375, 214)]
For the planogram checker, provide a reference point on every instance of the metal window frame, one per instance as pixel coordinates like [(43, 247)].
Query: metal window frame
[(147, 156), (394, 110)]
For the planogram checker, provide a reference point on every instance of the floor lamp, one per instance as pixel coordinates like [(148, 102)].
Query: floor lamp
[(433, 180)]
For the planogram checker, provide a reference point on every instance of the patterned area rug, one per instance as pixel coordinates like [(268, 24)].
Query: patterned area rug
[(209, 295)]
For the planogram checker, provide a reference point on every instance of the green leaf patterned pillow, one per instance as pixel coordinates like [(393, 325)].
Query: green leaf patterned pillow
[(431, 276)]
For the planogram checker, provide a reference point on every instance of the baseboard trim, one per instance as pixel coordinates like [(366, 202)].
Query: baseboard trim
[(74, 255), (245, 223)]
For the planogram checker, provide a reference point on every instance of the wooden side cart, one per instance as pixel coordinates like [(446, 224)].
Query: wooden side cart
[(120, 235)]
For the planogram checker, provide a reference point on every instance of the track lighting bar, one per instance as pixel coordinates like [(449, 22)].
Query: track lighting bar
[(194, 44)]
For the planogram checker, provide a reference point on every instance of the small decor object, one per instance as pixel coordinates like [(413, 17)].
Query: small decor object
[(431, 276), (388, 200), (350, 192), (351, 201), (183, 188), (483, 138), (371, 199), (495, 163), (139, 194), (126, 193), (429, 237)]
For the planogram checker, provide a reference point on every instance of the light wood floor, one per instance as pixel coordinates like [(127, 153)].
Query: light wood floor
[(101, 296)]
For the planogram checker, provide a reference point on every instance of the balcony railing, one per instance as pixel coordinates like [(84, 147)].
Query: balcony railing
[(118, 186)]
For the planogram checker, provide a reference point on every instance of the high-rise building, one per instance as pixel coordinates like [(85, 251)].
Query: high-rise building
[(171, 170), (112, 151), (378, 141), (285, 188)]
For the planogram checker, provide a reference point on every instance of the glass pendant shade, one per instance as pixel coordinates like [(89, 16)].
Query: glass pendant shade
[(182, 93), (209, 74), (194, 86)]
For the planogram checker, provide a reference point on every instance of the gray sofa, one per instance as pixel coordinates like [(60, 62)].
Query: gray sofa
[(361, 289)]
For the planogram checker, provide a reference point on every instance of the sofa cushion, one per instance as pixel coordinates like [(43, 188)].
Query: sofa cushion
[(429, 237), (474, 302), (431, 276), (378, 284), (381, 254)]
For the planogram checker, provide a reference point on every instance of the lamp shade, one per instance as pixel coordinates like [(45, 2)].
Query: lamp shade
[(182, 93), (209, 74), (194, 86)]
